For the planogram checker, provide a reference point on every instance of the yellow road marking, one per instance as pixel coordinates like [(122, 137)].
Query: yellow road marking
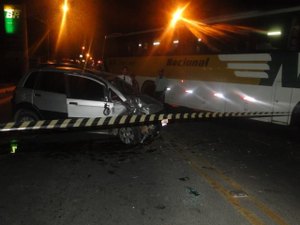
[(270, 213), (253, 219), (218, 187)]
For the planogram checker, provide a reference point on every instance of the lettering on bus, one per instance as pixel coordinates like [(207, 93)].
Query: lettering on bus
[(188, 62)]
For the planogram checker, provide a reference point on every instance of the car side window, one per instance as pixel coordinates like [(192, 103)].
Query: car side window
[(83, 88), (114, 96), (51, 82), (31, 80)]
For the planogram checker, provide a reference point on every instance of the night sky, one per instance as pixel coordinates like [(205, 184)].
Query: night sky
[(90, 20), (132, 15)]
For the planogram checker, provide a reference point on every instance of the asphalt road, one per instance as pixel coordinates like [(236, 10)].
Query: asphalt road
[(237, 172), (222, 172)]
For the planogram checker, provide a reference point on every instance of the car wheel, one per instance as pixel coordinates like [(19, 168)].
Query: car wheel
[(129, 135), (23, 115)]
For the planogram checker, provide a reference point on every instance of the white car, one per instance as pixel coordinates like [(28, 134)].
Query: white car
[(58, 92)]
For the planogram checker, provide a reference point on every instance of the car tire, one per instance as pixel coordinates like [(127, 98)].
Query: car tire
[(130, 135), (23, 115)]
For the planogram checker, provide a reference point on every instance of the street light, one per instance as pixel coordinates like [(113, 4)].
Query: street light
[(176, 17), (65, 9)]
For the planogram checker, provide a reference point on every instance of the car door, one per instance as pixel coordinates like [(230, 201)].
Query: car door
[(87, 98), (50, 95)]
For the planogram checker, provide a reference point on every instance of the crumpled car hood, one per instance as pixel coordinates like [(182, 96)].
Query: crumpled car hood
[(154, 105)]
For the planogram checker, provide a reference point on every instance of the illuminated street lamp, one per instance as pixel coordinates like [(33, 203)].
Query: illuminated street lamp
[(65, 7), (178, 15)]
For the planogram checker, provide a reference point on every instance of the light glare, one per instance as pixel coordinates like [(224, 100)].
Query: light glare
[(65, 8), (178, 15), (219, 95), (62, 24), (274, 33), (189, 91), (249, 99)]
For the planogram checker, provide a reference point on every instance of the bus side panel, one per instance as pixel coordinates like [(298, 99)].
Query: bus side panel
[(262, 82)]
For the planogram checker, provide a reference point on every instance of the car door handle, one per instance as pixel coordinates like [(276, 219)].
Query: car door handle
[(37, 95), (73, 103)]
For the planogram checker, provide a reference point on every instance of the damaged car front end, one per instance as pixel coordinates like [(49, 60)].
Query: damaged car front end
[(123, 95)]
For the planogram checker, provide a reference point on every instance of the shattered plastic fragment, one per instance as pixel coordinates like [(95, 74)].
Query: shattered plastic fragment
[(184, 178), (238, 194), (193, 191)]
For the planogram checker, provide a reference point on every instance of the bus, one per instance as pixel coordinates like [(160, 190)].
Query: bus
[(245, 62)]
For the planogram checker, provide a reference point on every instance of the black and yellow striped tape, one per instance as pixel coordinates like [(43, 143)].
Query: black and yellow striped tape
[(127, 120)]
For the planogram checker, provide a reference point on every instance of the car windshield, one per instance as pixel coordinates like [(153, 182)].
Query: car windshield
[(122, 86)]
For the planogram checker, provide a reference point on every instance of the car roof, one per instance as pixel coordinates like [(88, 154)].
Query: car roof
[(105, 77), (76, 69)]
